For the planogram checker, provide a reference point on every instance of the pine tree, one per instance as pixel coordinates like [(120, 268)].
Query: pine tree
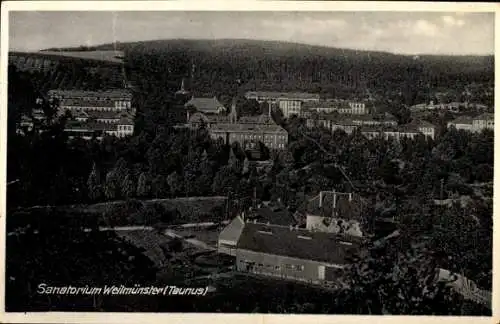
[(143, 186), (94, 184), (127, 186), (111, 189)]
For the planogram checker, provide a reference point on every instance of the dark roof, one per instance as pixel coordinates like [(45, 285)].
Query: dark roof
[(422, 123), (485, 116), (344, 208), (277, 217), (283, 95), (250, 128), (462, 120), (89, 126), (207, 105), (201, 117), (112, 94), (281, 240), (327, 104), (261, 119)]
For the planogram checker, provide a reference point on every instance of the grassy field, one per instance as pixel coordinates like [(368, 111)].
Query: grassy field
[(129, 213)]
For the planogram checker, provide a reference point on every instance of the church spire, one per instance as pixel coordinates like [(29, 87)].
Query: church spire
[(182, 90)]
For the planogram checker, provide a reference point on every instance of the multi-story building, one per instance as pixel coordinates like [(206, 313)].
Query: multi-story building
[(396, 133), (96, 113), (483, 121), (290, 103), (290, 107), (332, 123), (476, 124), (349, 122), (340, 106), (386, 119), (275, 97), (287, 252), (273, 136), (79, 100), (88, 129), (461, 123), (424, 127), (247, 130)]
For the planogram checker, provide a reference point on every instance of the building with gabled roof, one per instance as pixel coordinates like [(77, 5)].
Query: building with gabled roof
[(461, 123), (206, 105), (483, 121), (287, 252), (474, 124), (424, 127)]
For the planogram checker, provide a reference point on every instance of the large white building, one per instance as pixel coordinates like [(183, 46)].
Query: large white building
[(290, 103), (79, 100), (96, 113)]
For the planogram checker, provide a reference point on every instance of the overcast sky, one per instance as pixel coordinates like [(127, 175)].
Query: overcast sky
[(397, 32)]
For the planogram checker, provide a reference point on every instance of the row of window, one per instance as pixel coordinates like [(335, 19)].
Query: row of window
[(126, 127), (293, 267), (93, 108)]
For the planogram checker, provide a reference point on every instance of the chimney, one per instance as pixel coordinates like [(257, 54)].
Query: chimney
[(334, 199), (320, 199), (350, 196), (291, 227)]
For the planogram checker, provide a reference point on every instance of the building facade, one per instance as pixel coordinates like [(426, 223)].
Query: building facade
[(94, 114), (482, 122), (287, 252), (247, 130), (339, 106), (290, 107), (79, 100), (275, 97), (476, 124), (272, 136)]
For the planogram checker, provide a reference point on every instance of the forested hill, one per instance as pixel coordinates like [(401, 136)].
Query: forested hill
[(259, 49), (273, 65)]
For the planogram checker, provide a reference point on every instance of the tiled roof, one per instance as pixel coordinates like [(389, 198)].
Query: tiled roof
[(462, 120), (112, 94), (201, 117), (207, 105), (485, 116), (422, 123), (261, 119), (283, 95), (299, 243)]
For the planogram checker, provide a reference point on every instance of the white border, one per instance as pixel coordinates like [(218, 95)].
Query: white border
[(196, 5)]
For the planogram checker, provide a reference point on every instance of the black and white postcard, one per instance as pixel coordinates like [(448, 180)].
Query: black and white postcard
[(267, 158)]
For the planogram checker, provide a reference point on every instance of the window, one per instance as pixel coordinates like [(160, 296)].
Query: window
[(277, 268)]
